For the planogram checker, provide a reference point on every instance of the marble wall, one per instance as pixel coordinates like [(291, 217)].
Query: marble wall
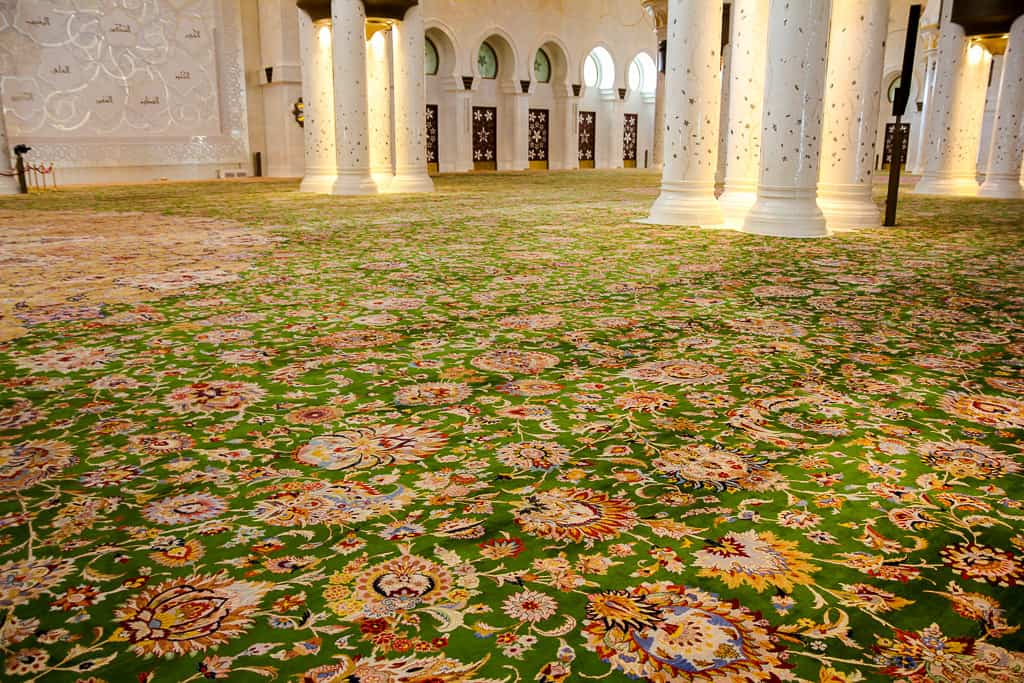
[(103, 88)]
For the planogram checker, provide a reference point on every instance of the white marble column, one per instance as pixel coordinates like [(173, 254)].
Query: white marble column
[(351, 122), (318, 104), (410, 106), (1002, 178), (930, 39), (658, 10), (856, 56), (693, 92), (723, 116), (611, 115), (565, 117), (519, 109), (463, 124), (8, 185), (380, 108), (794, 94), (746, 75), (954, 132)]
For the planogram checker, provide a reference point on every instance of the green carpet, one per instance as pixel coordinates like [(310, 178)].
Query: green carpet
[(502, 433)]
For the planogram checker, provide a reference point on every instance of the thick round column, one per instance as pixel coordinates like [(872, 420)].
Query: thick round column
[(746, 87), (1002, 179), (380, 105), (954, 130), (658, 10), (658, 148), (318, 104), (723, 115), (410, 106), (794, 94), (930, 40), (692, 99), (351, 123), (855, 61)]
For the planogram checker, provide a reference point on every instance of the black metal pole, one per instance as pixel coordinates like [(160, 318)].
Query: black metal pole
[(19, 166), (899, 107), (895, 162)]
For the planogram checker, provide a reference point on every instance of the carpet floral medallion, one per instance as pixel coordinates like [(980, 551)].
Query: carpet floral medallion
[(503, 434)]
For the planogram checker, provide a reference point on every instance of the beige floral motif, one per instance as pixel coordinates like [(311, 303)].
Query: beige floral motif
[(188, 614)]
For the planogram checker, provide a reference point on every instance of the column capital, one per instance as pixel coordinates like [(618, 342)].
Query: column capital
[(658, 10), (930, 37)]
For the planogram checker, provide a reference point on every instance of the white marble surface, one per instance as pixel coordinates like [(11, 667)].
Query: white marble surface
[(854, 79), (954, 130), (95, 85), (749, 43), (8, 184), (380, 107), (791, 127), (1002, 177), (318, 100), (410, 104), (692, 106), (351, 118)]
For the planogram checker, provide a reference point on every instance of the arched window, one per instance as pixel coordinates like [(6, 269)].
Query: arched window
[(891, 92), (430, 58), (643, 76), (591, 71), (542, 67), (599, 69), (487, 61)]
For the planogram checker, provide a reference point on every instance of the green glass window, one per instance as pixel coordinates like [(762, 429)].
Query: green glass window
[(430, 60), (891, 94), (542, 67), (487, 61)]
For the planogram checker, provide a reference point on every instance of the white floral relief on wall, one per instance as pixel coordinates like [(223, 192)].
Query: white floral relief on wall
[(123, 82)]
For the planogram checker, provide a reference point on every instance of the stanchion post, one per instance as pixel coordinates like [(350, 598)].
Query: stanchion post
[(20, 151), (899, 107)]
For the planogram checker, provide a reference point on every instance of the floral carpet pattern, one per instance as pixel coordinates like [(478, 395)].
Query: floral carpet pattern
[(502, 433), (122, 257)]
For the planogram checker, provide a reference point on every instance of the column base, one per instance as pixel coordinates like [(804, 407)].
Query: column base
[(354, 184), (691, 207), (419, 182), (958, 187), (319, 184), (736, 204), (849, 214), (996, 187), (382, 180), (786, 217)]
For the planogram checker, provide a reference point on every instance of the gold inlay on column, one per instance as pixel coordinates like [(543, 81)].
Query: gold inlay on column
[(374, 25), (995, 43)]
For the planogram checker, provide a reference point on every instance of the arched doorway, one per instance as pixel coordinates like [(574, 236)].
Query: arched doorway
[(447, 147), (498, 126), (600, 116), (551, 100), (638, 121)]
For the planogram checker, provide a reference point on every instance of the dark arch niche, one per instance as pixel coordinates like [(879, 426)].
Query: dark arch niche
[(375, 9), (986, 17)]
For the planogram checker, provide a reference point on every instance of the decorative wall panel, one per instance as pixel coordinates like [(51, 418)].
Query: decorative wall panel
[(538, 135), (124, 83), (629, 132), (432, 147), (587, 132), (485, 138)]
